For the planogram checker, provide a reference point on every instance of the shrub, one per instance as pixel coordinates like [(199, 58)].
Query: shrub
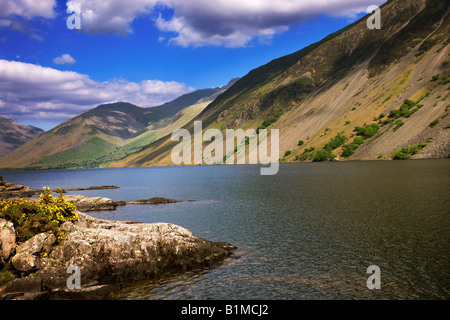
[(368, 130), (404, 111), (398, 124), (413, 110), (303, 157), (300, 143), (387, 121), (287, 153), (406, 153), (335, 143), (359, 140), (445, 80), (435, 77), (401, 154), (409, 103), (30, 218), (434, 123), (349, 149), (323, 155), (394, 114)]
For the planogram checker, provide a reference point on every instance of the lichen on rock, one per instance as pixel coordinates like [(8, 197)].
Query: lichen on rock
[(110, 253)]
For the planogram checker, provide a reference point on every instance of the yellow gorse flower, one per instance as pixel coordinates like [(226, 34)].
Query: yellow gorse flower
[(54, 210)]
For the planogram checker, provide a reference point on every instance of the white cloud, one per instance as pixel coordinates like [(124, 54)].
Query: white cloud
[(235, 23), (64, 59), (29, 91), (100, 16), (232, 23), (27, 8)]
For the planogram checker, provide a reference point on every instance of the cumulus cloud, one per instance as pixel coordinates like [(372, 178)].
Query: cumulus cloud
[(27, 9), (64, 59), (33, 92), (14, 12), (234, 23), (100, 16), (231, 23)]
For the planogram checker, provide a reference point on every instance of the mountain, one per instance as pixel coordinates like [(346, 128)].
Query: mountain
[(358, 94), (387, 87), (108, 133), (14, 134)]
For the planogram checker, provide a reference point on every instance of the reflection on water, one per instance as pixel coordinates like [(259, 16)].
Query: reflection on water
[(309, 232)]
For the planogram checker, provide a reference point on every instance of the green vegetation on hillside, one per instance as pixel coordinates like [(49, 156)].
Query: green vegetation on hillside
[(90, 154), (367, 131), (406, 153), (434, 123), (350, 148), (326, 153)]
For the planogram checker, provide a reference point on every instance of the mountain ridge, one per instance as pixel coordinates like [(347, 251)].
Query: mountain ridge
[(107, 132), (385, 87), (316, 92), (13, 134)]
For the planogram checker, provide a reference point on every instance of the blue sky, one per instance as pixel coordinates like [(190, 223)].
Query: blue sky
[(145, 51)]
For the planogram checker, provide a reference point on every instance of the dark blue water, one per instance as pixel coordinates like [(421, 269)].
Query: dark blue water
[(309, 232)]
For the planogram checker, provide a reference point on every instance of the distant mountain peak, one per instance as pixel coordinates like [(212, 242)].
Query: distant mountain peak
[(13, 134)]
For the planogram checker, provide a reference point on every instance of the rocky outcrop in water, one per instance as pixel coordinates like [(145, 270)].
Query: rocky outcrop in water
[(107, 254), (11, 190), (91, 188), (86, 204), (156, 200)]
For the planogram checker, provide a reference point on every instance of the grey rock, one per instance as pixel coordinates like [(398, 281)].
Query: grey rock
[(7, 240), (25, 259), (86, 204), (113, 252), (16, 191), (25, 262)]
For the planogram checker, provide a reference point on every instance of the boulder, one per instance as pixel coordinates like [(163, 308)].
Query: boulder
[(86, 204), (7, 240), (25, 259), (112, 252)]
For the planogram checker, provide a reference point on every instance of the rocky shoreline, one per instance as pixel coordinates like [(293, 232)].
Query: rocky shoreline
[(108, 255), (84, 204), (11, 190)]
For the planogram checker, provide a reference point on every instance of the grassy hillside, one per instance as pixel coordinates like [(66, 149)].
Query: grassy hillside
[(108, 133)]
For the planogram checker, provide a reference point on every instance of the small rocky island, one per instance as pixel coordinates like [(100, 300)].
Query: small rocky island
[(108, 254)]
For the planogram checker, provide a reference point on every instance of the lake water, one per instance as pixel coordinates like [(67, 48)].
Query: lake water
[(309, 232)]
